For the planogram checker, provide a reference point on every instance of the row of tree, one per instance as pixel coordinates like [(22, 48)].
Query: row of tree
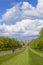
[(38, 42), (9, 43)]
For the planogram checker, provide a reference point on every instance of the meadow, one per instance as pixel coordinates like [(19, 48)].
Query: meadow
[(35, 57), (26, 57), (20, 58)]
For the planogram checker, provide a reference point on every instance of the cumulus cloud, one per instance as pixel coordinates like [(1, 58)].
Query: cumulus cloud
[(12, 15), (24, 27), (24, 19), (24, 11), (31, 12)]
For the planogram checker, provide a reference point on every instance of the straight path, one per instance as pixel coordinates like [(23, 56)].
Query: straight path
[(3, 53), (21, 59)]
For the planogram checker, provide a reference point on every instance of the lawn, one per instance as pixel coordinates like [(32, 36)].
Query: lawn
[(21, 58), (36, 57), (26, 57)]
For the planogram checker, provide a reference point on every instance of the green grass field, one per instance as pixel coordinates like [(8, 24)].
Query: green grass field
[(26, 57), (35, 57), (20, 58)]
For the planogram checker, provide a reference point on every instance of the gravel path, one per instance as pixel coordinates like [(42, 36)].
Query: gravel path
[(2, 53)]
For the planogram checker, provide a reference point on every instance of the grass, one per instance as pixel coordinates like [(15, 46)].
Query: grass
[(36, 58), (20, 58), (26, 57)]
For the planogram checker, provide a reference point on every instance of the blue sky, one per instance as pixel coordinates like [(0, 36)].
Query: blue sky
[(21, 18), (4, 4)]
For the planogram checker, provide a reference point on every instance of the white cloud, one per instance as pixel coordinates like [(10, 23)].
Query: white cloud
[(24, 27), (24, 11), (12, 15), (29, 11), (31, 32), (21, 14), (26, 6)]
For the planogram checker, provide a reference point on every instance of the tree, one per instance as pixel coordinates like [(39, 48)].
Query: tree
[(41, 32), (1, 45), (40, 45), (9, 43), (19, 44), (38, 42)]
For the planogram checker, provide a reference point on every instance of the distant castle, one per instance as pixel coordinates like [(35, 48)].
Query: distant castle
[(24, 42)]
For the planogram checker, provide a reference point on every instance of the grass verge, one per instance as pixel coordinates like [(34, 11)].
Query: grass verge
[(20, 58), (35, 58)]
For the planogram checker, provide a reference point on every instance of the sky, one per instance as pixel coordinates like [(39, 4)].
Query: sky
[(21, 18)]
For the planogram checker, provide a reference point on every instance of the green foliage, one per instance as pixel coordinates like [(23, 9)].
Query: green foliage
[(9, 43), (38, 42), (41, 32)]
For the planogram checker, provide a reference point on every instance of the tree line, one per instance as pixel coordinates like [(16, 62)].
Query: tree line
[(9, 43), (38, 42)]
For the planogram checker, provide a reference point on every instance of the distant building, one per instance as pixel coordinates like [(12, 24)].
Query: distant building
[(25, 42)]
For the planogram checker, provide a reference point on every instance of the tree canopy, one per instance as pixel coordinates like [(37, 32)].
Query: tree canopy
[(9, 43), (41, 32), (38, 42)]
